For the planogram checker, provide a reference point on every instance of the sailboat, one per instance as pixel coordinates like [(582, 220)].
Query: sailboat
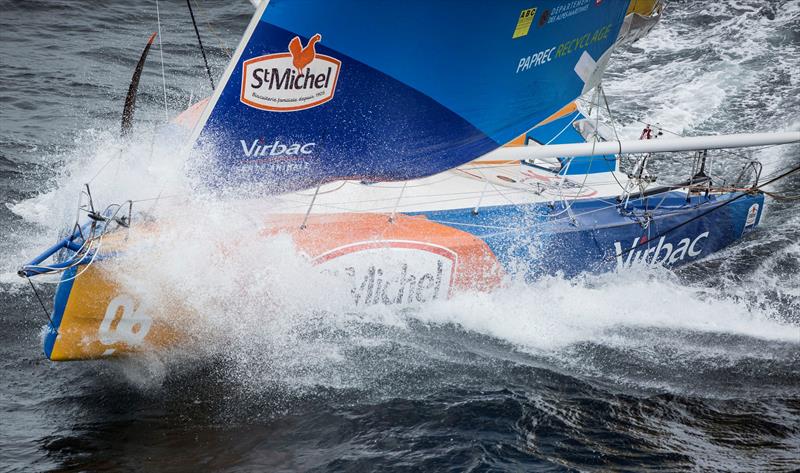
[(417, 153)]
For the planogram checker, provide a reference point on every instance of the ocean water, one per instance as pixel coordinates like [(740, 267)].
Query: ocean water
[(650, 370)]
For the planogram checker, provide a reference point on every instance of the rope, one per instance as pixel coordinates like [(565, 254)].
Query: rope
[(223, 44), (41, 303), (397, 204), (200, 42), (308, 212), (566, 127), (112, 158), (563, 173), (616, 135), (696, 217), (163, 74), (781, 197)]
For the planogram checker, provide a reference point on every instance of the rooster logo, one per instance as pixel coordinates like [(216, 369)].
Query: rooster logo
[(291, 80), (301, 57)]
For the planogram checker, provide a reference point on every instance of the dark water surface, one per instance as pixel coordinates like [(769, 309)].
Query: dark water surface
[(647, 371)]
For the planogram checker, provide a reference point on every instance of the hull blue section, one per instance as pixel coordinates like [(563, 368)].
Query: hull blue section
[(59, 305), (602, 236)]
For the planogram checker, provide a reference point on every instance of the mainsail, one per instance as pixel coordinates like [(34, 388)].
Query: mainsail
[(320, 91)]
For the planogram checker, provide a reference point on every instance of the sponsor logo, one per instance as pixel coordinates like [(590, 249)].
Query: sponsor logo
[(394, 272), (535, 59), (540, 58), (583, 42), (524, 23), (752, 216), (568, 9), (288, 82), (260, 148), (544, 18), (660, 253)]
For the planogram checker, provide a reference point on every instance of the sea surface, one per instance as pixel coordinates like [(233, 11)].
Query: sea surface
[(650, 370)]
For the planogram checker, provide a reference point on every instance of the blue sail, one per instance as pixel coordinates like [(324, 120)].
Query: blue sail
[(320, 91)]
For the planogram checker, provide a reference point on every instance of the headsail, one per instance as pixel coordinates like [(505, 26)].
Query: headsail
[(319, 90)]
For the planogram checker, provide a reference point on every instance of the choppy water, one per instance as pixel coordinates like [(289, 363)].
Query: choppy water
[(650, 370)]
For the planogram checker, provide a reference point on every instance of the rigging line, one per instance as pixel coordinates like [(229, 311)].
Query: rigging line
[(733, 153), (777, 196), (119, 156), (563, 173), (613, 127), (552, 217), (462, 196), (161, 53), (727, 151), (46, 312), (529, 228), (670, 230), (340, 205), (483, 191), (325, 192), (428, 181), (512, 161), (155, 201), (159, 197), (566, 168), (223, 44), (396, 204), (200, 42), (660, 203), (475, 225), (568, 205), (689, 189), (564, 129), (532, 226), (465, 195), (497, 191), (610, 116), (308, 212), (769, 176), (597, 120)]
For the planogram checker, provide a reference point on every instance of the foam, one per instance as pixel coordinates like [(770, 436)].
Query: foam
[(277, 320)]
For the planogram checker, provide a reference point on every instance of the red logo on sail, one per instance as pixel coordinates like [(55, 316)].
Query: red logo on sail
[(301, 57), (288, 82)]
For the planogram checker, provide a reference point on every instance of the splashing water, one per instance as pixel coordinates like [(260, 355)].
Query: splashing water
[(665, 351), (261, 304)]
